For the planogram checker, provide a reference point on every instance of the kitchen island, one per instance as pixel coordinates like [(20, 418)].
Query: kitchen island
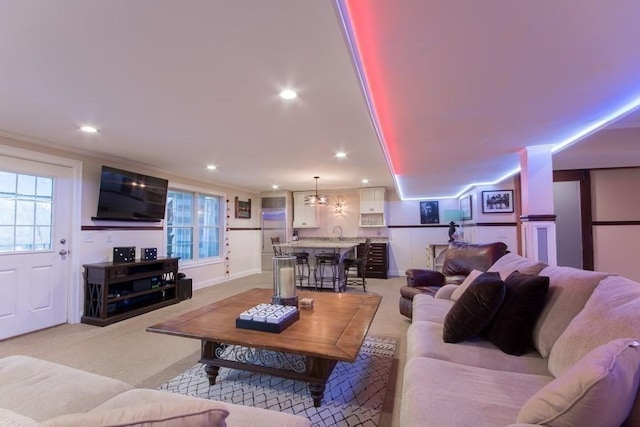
[(314, 247)]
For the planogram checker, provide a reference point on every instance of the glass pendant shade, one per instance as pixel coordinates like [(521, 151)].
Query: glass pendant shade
[(316, 199)]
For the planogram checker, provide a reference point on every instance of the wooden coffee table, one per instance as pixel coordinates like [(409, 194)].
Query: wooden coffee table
[(308, 350)]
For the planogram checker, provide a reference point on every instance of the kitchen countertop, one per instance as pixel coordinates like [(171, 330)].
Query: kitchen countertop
[(320, 244), (377, 239)]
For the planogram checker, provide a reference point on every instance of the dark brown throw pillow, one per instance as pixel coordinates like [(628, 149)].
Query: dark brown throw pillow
[(474, 309), (511, 329)]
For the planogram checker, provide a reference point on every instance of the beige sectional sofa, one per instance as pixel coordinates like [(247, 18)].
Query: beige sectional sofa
[(582, 367), (35, 392)]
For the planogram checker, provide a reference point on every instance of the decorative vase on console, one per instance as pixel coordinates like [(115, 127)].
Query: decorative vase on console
[(452, 216), (452, 231)]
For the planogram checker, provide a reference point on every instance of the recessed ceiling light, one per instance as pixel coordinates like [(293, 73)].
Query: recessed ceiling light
[(89, 129), (211, 167), (288, 94), (365, 181), (275, 187), (341, 154)]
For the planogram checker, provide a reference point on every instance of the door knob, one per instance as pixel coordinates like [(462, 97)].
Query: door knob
[(63, 252)]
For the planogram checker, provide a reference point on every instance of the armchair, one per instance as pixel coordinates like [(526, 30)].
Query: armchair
[(460, 259)]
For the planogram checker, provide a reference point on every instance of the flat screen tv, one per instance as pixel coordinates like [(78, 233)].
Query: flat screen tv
[(130, 196)]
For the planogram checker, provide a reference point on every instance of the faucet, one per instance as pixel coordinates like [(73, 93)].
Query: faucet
[(337, 227)]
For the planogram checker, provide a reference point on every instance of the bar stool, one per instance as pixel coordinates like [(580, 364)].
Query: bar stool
[(327, 269), (303, 270), (360, 264)]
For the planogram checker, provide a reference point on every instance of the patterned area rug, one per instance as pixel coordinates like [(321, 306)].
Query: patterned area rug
[(354, 395)]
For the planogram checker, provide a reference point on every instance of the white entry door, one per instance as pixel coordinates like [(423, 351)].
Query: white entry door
[(35, 218)]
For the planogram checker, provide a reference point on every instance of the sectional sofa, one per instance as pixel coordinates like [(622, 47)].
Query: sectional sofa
[(525, 344), (35, 392)]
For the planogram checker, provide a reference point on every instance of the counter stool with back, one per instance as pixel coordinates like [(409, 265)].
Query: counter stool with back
[(303, 270)]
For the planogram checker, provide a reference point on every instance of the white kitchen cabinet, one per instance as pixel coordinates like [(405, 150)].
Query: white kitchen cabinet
[(303, 216), (372, 207)]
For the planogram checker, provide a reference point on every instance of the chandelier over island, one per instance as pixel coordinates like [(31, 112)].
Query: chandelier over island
[(316, 199)]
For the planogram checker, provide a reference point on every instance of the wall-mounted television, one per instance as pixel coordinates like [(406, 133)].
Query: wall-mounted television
[(130, 196)]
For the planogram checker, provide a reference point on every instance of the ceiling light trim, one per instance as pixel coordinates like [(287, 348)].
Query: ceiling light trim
[(348, 29), (352, 42), (607, 120)]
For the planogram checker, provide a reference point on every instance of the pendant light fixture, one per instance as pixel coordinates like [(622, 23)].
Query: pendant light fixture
[(315, 199)]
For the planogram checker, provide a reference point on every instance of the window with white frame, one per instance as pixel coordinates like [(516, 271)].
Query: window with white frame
[(25, 212), (194, 225)]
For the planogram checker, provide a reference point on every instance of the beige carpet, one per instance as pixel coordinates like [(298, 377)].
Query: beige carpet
[(126, 352)]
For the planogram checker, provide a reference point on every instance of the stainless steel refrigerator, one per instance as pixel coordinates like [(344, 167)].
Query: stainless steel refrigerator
[(274, 219)]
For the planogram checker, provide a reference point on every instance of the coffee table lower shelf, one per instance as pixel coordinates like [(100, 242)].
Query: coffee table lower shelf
[(315, 371)]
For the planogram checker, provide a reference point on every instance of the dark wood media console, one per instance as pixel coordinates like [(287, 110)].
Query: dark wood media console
[(118, 291)]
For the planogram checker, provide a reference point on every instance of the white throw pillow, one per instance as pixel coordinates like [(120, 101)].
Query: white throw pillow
[(508, 263), (599, 390), (455, 296)]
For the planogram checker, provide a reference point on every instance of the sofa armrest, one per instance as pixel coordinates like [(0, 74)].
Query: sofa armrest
[(445, 292), (424, 278)]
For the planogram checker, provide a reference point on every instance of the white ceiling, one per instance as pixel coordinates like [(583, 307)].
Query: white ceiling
[(458, 87)]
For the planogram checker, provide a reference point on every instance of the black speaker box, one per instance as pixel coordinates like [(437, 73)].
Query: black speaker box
[(185, 289), (124, 254), (149, 253)]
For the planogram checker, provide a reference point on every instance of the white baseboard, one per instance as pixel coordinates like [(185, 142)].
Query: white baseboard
[(219, 280)]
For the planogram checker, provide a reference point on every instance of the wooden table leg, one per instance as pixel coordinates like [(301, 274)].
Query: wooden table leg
[(208, 352), (320, 370)]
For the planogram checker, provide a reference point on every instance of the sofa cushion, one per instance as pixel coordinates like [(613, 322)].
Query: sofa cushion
[(243, 416), (23, 377), (426, 307), (446, 291), (424, 339), (612, 311), (149, 408), (599, 390), (457, 293), (569, 290), (440, 393), (512, 327), (475, 308), (512, 262), (11, 419)]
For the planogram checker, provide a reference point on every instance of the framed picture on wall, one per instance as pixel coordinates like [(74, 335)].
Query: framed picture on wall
[(499, 201), (429, 213), (243, 209), (466, 213)]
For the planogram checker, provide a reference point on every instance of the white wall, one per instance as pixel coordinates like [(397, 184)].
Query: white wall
[(243, 249), (408, 238), (614, 197), (97, 245)]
